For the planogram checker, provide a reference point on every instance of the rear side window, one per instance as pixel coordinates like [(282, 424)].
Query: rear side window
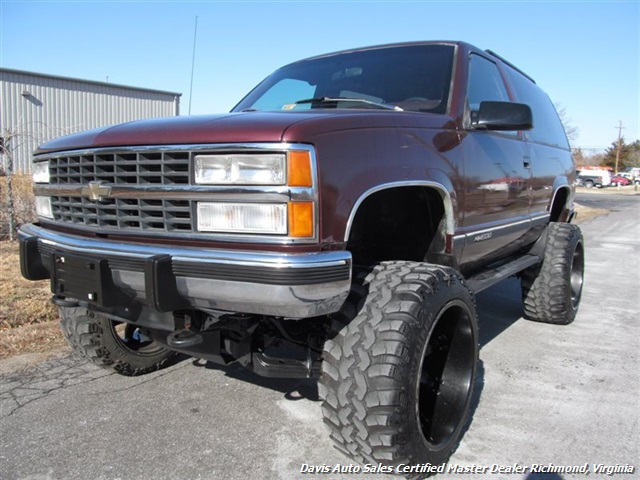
[(547, 127)]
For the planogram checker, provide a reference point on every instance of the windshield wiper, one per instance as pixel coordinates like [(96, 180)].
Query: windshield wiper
[(321, 100)]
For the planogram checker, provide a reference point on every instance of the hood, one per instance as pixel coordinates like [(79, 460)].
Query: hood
[(222, 128), (242, 127)]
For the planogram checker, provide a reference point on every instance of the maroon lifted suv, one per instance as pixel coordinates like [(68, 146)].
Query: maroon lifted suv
[(336, 224)]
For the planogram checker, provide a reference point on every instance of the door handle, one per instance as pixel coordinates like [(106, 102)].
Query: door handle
[(526, 161)]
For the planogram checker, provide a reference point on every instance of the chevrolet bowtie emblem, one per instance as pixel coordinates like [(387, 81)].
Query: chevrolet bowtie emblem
[(96, 192)]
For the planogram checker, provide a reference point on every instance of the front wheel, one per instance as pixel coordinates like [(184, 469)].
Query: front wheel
[(121, 347), (398, 378)]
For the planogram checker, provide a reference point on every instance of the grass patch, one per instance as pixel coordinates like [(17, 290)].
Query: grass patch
[(585, 213), (23, 302), (39, 338), (28, 319), (23, 203)]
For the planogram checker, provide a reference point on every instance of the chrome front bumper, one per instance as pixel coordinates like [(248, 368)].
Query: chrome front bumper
[(172, 278)]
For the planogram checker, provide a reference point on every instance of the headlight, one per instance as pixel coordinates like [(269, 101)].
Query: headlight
[(293, 168), (43, 207), (40, 172), (241, 169), (242, 218)]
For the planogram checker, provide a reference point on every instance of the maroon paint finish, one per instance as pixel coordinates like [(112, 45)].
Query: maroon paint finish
[(248, 127), (490, 179), (360, 152)]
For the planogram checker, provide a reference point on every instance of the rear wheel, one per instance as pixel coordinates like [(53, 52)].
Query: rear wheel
[(122, 347), (397, 380), (551, 290)]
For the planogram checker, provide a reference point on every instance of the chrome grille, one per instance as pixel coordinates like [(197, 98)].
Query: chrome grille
[(128, 214), (149, 190), (126, 169), (140, 168)]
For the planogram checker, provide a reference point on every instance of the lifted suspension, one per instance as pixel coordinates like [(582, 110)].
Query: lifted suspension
[(270, 347)]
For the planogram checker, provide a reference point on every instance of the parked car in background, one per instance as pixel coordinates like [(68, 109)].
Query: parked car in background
[(628, 175), (593, 177), (632, 173), (620, 180), (589, 181)]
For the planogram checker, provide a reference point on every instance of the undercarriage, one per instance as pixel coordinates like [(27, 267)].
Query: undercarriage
[(271, 347)]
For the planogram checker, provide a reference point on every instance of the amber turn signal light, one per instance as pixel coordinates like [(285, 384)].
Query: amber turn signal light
[(299, 169), (301, 219)]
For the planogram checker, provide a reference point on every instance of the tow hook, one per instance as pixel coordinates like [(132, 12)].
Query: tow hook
[(63, 301), (184, 338)]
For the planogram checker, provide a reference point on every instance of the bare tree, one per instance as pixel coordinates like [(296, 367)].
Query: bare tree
[(570, 129), (17, 208), (7, 141)]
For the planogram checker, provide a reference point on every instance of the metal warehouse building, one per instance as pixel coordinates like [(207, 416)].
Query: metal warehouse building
[(38, 107)]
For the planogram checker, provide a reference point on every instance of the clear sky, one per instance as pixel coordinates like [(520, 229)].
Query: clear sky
[(584, 54)]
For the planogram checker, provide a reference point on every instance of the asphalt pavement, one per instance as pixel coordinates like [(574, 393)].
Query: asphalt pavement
[(548, 399)]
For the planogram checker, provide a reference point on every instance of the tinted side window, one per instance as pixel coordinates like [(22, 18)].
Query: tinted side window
[(547, 127), (485, 83)]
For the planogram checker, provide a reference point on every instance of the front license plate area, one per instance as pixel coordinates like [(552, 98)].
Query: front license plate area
[(83, 278)]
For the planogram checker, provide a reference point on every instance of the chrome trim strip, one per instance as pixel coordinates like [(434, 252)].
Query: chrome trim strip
[(230, 257), (468, 238), (459, 241), (187, 192), (542, 219), (564, 186), (444, 193), (506, 226)]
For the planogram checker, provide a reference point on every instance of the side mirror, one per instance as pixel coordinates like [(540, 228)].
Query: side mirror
[(502, 116)]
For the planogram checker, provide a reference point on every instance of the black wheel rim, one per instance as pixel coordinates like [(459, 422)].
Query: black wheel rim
[(446, 375), (577, 275), (132, 339)]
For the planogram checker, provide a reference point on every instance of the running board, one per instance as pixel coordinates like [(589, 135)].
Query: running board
[(484, 280)]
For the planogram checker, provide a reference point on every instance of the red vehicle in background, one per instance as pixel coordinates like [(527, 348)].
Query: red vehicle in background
[(619, 180)]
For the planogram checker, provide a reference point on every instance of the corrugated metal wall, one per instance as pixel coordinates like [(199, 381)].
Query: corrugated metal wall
[(36, 108)]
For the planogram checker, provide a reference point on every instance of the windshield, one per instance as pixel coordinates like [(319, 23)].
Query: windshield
[(412, 77)]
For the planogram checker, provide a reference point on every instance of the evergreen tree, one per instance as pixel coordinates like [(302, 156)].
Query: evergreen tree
[(609, 159)]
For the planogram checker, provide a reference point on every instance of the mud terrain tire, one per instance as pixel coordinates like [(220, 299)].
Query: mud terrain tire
[(110, 344), (398, 378), (551, 290)]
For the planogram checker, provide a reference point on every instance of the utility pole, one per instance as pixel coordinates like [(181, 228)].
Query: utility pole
[(619, 127)]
